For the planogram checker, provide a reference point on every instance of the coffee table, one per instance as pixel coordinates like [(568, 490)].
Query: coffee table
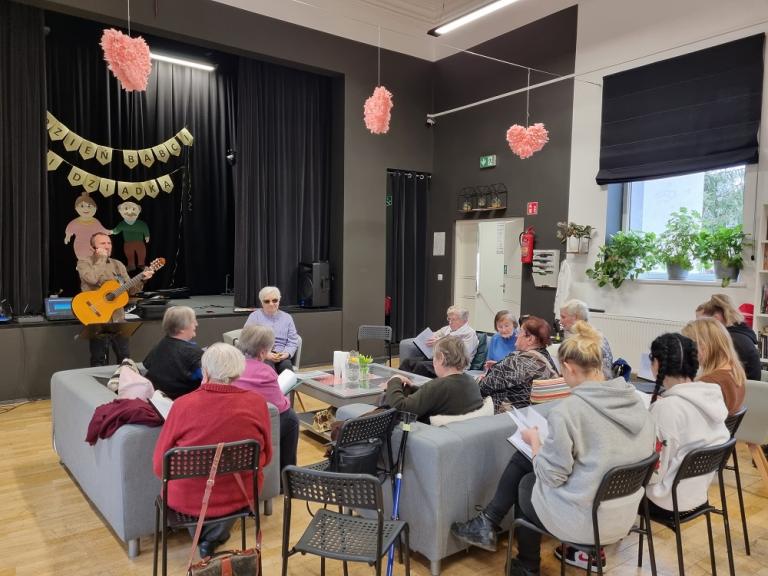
[(321, 385)]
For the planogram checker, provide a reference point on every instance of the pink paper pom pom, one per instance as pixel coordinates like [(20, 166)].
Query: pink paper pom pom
[(525, 142), (377, 110), (128, 59)]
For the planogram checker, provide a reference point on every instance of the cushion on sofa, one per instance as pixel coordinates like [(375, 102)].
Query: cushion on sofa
[(443, 419)]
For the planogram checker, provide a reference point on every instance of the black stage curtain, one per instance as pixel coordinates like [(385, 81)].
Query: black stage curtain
[(192, 227), (407, 251), (282, 177), (23, 204), (696, 112)]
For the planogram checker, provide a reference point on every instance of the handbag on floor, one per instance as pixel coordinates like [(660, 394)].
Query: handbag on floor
[(229, 562)]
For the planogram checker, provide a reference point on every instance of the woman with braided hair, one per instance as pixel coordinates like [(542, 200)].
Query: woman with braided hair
[(689, 415)]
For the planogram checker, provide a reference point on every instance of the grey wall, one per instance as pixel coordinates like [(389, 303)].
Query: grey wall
[(461, 138), (366, 157)]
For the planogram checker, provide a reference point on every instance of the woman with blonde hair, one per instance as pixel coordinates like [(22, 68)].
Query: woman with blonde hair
[(718, 361), (721, 307), (601, 425)]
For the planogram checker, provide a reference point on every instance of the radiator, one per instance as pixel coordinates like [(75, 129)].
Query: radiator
[(631, 336)]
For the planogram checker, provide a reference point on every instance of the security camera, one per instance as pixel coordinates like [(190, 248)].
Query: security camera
[(430, 122)]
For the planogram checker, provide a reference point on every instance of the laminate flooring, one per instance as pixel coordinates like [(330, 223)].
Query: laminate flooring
[(47, 526)]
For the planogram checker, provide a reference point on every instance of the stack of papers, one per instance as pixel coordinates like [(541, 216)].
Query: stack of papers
[(421, 343), (526, 418), (161, 403)]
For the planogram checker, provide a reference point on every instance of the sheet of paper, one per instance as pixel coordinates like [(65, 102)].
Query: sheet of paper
[(421, 342), (527, 418), (311, 374), (287, 380), (162, 403), (438, 244)]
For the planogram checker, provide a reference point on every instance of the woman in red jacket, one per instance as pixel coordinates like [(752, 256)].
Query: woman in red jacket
[(215, 412)]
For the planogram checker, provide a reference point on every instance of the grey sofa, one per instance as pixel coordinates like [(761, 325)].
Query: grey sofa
[(448, 470), (116, 473)]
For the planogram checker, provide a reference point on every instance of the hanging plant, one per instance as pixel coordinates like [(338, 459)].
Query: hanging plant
[(377, 111)]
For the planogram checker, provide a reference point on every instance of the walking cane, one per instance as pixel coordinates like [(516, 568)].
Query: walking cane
[(406, 426)]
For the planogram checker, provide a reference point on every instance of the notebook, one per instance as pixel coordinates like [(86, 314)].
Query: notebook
[(527, 418), (421, 343)]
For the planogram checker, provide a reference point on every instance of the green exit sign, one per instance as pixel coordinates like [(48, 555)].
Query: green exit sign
[(488, 161)]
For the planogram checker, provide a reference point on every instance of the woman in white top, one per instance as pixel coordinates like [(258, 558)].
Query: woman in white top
[(689, 415)]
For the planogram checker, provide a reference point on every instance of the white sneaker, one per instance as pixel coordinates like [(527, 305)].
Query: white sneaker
[(579, 558)]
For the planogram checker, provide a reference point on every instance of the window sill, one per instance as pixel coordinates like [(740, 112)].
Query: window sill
[(710, 283)]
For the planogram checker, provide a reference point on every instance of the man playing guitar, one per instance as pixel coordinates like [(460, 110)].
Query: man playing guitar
[(94, 271)]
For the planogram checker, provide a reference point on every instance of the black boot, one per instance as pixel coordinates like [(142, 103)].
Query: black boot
[(480, 532)]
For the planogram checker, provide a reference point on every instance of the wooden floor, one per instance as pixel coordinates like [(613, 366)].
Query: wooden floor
[(47, 526)]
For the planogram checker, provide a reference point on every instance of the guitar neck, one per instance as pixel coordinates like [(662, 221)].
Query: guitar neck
[(132, 283)]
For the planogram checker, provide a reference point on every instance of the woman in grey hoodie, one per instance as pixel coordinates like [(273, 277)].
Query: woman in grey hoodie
[(603, 424)]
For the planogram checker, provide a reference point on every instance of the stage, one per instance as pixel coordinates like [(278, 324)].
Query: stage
[(31, 352)]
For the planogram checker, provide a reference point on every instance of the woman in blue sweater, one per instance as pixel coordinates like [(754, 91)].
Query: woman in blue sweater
[(503, 342)]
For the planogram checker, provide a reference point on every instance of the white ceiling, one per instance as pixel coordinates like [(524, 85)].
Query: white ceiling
[(403, 24)]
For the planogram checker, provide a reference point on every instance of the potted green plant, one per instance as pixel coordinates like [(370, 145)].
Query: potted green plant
[(678, 244), (365, 364), (724, 247), (577, 236), (626, 256)]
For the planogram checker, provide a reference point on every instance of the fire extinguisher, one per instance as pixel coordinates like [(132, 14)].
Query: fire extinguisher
[(526, 245)]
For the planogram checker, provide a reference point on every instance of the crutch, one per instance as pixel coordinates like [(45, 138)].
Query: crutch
[(405, 420)]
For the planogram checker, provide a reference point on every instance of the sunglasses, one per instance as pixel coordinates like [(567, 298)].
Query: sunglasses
[(273, 301)]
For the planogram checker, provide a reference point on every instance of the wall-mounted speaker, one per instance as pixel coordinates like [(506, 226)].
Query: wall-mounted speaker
[(314, 284)]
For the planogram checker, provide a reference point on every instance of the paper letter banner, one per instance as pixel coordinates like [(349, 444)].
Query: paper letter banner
[(53, 160), (146, 157), (138, 190), (124, 190), (103, 155), (87, 150), (131, 159), (151, 188), (57, 131), (91, 183), (161, 152), (185, 136), (72, 142), (165, 182), (173, 146), (107, 187), (76, 176), (50, 120)]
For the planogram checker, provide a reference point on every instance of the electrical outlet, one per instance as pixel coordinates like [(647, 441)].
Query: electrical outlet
[(439, 277)]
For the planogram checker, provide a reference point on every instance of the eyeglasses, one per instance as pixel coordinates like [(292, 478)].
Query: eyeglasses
[(273, 301)]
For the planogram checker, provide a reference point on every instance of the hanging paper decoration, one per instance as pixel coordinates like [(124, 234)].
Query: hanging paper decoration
[(377, 110), (525, 142), (135, 234), (84, 226), (128, 59)]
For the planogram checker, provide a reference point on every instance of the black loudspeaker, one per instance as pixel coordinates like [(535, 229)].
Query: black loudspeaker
[(314, 284)]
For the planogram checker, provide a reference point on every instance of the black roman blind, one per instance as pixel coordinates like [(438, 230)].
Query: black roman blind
[(696, 112)]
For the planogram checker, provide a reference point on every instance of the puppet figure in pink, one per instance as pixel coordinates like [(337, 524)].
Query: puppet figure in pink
[(84, 226)]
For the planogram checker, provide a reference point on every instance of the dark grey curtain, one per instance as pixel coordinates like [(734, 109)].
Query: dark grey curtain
[(192, 227), (407, 251), (696, 112), (282, 177), (23, 204)]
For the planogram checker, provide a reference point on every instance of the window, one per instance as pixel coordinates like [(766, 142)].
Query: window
[(718, 195)]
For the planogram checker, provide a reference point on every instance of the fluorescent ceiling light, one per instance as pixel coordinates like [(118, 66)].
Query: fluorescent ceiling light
[(471, 17), (182, 62)]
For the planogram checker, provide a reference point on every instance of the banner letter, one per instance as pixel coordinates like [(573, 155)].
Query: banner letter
[(91, 183), (53, 160), (131, 159), (87, 150), (173, 146), (103, 155), (58, 131), (151, 188), (76, 176), (50, 120), (124, 190), (166, 184), (138, 190), (146, 157), (72, 142), (161, 152), (185, 136), (107, 187)]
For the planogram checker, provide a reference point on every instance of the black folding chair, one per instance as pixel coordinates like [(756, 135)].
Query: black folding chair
[(195, 462), (338, 535), (368, 332), (732, 423), (617, 483), (696, 463)]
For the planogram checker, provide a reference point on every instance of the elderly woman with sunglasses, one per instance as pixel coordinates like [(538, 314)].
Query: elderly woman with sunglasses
[(281, 323), (509, 382)]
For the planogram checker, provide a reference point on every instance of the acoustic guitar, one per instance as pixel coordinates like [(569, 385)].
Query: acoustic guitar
[(97, 306)]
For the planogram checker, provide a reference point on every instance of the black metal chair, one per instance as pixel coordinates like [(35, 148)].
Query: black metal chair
[(618, 482), (732, 423), (368, 332), (338, 535), (376, 426), (195, 462), (700, 462)]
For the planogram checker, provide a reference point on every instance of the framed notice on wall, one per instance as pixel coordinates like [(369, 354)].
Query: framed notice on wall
[(438, 244)]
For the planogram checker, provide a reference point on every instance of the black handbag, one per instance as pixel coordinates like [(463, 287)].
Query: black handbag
[(230, 562), (357, 457)]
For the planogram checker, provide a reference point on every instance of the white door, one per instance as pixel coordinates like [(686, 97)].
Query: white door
[(465, 266), (513, 269)]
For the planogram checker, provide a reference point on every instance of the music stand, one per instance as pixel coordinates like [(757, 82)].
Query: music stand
[(108, 330)]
